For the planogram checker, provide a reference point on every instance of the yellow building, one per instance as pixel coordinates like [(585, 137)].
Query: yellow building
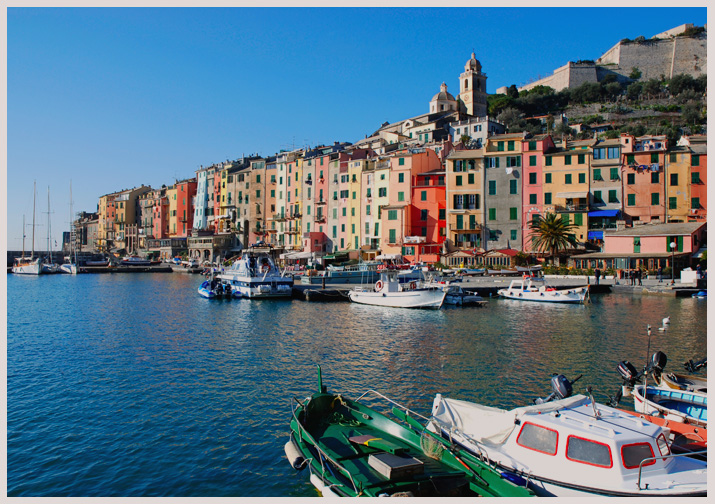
[(171, 193), (465, 197), (677, 183), (566, 188), (354, 203)]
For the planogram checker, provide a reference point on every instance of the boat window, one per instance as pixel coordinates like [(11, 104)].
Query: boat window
[(663, 445), (634, 454), (538, 438), (588, 452)]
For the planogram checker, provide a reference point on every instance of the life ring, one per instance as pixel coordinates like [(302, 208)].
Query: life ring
[(378, 285), (413, 285), (265, 268)]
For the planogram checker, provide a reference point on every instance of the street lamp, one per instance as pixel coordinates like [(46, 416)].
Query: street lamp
[(672, 262)]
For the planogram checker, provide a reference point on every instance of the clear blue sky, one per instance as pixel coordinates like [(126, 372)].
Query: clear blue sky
[(115, 98)]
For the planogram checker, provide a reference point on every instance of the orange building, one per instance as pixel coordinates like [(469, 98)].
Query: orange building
[(427, 229), (643, 178)]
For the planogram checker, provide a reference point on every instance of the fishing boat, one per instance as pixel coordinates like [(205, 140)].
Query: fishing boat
[(680, 405), (191, 266), (352, 450), (568, 445), (135, 261), (529, 290), (97, 262), (390, 292), (529, 269), (213, 289), (703, 294), (457, 296), (28, 265), (255, 275), (683, 382), (361, 273)]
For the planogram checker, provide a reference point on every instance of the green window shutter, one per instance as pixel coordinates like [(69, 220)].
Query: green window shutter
[(565, 218), (424, 195), (513, 234), (492, 187), (393, 236), (547, 198), (655, 178), (532, 199), (631, 200), (547, 178), (532, 160), (612, 196), (510, 145), (673, 203), (400, 196), (578, 219), (630, 159), (392, 215), (547, 161), (442, 213), (655, 198), (401, 162), (673, 157), (512, 213), (654, 157), (532, 178), (581, 178), (472, 222), (400, 177), (532, 146), (500, 146), (567, 178), (470, 178), (496, 162), (695, 203), (581, 158), (458, 180), (567, 159), (460, 221), (636, 244), (597, 198), (597, 174), (631, 178), (512, 187), (614, 174), (695, 160), (492, 214), (695, 177), (673, 179)]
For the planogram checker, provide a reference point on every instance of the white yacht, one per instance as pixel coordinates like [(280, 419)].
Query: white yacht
[(389, 291), (255, 275), (529, 290)]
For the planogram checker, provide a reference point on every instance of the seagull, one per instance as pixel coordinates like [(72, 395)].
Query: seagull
[(666, 321)]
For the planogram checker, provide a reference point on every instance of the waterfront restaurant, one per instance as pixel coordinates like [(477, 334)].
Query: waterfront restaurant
[(649, 246)]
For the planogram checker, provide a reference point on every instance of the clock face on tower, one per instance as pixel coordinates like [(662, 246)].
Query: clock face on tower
[(467, 98)]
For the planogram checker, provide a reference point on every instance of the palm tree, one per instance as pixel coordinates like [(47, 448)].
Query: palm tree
[(552, 234)]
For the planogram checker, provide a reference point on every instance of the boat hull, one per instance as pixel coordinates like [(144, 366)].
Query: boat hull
[(679, 405), (543, 294), (70, 269), (28, 267), (417, 298)]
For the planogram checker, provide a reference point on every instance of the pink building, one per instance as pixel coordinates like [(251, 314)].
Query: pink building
[(532, 202)]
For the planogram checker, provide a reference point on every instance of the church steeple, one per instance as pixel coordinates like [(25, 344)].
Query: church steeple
[(473, 88)]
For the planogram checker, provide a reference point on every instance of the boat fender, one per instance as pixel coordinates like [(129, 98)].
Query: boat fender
[(296, 460), (514, 478), (378, 285)]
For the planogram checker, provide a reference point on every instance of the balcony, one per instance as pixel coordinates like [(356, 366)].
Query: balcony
[(571, 208), (258, 230), (279, 217), (320, 218), (601, 225), (321, 202)]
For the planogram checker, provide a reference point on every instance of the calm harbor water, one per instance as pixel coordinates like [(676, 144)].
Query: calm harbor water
[(133, 385)]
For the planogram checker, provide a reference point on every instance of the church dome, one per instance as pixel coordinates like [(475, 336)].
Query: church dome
[(443, 94), (473, 64)]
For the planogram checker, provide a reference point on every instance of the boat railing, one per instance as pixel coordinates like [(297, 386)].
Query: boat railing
[(664, 457), (405, 408)]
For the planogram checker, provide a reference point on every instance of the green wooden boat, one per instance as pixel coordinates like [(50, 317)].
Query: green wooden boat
[(355, 451)]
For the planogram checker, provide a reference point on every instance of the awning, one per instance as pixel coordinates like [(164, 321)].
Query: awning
[(604, 213), (297, 255), (382, 257), (572, 195), (335, 255), (699, 253), (595, 235)]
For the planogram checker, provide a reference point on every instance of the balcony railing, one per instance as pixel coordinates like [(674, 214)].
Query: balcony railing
[(597, 225), (571, 208), (321, 202), (279, 217)]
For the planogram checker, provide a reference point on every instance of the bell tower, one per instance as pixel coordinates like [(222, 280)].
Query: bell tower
[(473, 88)]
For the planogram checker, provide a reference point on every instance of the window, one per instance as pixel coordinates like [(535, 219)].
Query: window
[(513, 161), (442, 213), (401, 162), (510, 145), (492, 162), (588, 452), (630, 159), (538, 438), (458, 166), (567, 159), (695, 177), (352, 211), (400, 196), (673, 203), (492, 187), (423, 215), (548, 161), (663, 447), (597, 174), (636, 244), (345, 213), (612, 196), (547, 198), (582, 159), (500, 146), (655, 178), (614, 174), (567, 178), (472, 222), (460, 222), (512, 186), (695, 203), (458, 180), (654, 157), (392, 215), (634, 454), (532, 146), (614, 152), (352, 228), (532, 199), (493, 236), (400, 177), (512, 213), (492, 214), (655, 198), (532, 178), (513, 234), (578, 219), (547, 178), (631, 200), (599, 153), (597, 197), (367, 210), (532, 160), (581, 178), (423, 195), (673, 157), (392, 236), (631, 179), (695, 160), (470, 178)]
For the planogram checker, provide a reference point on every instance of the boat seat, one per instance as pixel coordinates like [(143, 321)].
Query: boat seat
[(377, 443)]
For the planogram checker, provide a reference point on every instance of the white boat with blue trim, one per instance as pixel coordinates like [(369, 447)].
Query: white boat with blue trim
[(255, 275), (529, 290)]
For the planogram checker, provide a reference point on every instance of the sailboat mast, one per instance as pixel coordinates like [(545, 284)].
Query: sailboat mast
[(34, 195), (49, 229), (23, 236), (73, 249)]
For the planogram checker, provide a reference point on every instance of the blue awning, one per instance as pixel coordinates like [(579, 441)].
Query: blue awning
[(595, 235), (604, 213)]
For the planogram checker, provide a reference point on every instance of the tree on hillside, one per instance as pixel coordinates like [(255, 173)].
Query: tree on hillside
[(635, 73), (552, 234), (512, 91)]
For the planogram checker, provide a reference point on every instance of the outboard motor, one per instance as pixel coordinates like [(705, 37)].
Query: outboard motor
[(561, 389), (628, 372), (656, 365)]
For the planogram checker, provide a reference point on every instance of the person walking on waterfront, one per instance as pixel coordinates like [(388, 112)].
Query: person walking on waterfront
[(597, 273), (639, 275), (660, 274)]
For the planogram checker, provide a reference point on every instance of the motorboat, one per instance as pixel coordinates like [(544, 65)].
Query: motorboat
[(683, 382), (569, 445), (703, 294), (504, 271), (213, 289), (364, 272), (529, 269), (135, 261), (390, 292), (531, 290), (352, 450), (457, 296), (183, 266), (683, 438), (255, 275)]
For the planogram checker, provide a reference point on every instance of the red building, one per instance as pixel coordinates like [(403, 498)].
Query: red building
[(427, 226), (643, 178), (185, 192), (161, 215), (698, 177)]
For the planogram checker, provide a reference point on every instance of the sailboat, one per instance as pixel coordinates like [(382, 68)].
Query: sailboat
[(23, 265), (47, 265), (71, 266)]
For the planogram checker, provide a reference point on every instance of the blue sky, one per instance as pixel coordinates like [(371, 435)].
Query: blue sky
[(114, 98)]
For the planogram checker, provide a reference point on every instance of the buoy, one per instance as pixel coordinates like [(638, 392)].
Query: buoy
[(378, 285)]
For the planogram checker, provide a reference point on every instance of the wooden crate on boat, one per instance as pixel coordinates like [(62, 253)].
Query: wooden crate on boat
[(395, 466)]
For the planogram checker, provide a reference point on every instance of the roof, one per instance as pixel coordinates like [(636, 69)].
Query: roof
[(673, 228), (506, 252), (466, 154), (630, 255)]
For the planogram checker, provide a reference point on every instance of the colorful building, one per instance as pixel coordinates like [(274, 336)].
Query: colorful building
[(428, 220), (643, 160), (532, 201), (464, 199)]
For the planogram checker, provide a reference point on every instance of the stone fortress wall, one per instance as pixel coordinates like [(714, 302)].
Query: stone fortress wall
[(667, 56)]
